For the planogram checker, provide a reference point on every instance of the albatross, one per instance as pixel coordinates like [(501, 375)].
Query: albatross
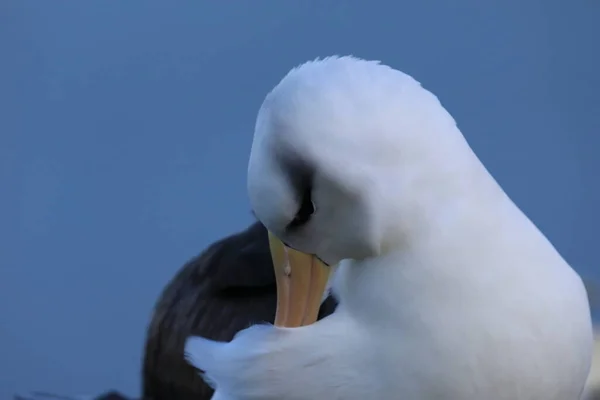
[(446, 289)]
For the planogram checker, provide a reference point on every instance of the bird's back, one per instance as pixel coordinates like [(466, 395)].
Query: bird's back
[(227, 288)]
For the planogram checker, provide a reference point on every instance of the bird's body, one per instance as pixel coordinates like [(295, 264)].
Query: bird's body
[(418, 345), (592, 391), (446, 289)]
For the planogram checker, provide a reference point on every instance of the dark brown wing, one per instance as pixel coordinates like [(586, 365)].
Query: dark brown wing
[(228, 287)]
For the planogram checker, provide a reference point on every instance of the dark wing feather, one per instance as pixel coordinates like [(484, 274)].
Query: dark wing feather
[(228, 287)]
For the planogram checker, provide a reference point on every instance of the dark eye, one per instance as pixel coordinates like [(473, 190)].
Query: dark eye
[(307, 209)]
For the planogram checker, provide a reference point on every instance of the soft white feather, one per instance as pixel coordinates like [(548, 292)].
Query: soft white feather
[(592, 391), (446, 289)]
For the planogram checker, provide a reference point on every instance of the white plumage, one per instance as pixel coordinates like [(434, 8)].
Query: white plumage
[(592, 386), (447, 290)]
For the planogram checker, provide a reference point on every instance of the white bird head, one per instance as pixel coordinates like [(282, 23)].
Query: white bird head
[(344, 149)]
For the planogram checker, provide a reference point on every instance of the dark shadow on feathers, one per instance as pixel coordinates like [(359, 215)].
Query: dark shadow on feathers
[(228, 287)]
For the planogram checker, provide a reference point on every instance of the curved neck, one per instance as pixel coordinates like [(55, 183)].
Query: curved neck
[(467, 242)]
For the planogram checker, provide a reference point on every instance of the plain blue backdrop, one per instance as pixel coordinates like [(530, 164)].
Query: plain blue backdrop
[(125, 129)]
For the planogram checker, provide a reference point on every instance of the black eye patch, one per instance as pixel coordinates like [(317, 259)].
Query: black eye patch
[(300, 174), (306, 210)]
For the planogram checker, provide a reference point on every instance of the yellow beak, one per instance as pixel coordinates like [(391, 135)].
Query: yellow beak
[(301, 282)]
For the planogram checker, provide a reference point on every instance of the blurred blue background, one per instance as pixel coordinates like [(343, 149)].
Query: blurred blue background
[(125, 128)]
